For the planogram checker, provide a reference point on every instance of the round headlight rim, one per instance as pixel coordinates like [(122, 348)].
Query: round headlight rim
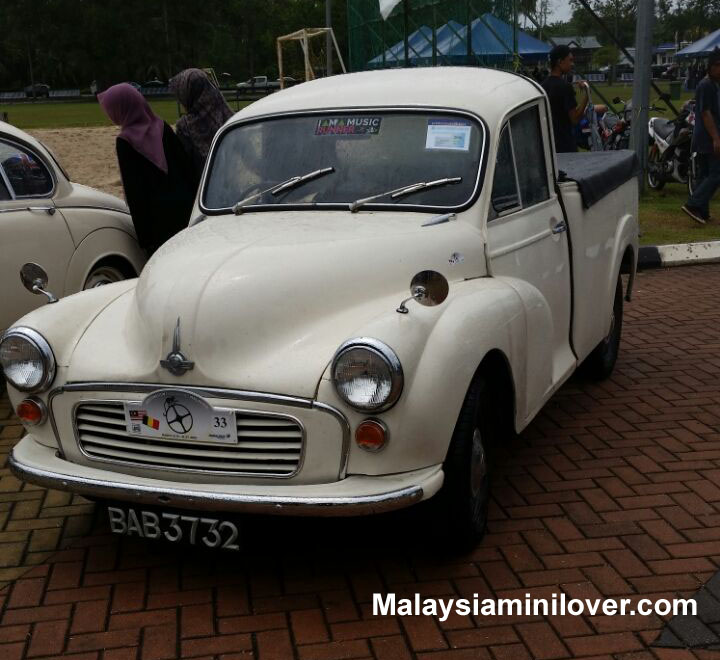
[(381, 349), (48, 357)]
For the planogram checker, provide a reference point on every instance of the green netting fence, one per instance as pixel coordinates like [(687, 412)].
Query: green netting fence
[(431, 33)]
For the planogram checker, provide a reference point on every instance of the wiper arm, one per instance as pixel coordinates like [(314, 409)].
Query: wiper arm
[(405, 190), (292, 182)]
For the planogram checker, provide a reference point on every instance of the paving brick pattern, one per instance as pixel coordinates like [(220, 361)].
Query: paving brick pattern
[(34, 522), (614, 490)]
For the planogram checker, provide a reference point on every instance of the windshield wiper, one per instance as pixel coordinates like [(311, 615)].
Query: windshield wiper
[(405, 190), (278, 188)]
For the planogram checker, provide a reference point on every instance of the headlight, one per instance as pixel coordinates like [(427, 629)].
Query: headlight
[(27, 360), (367, 374)]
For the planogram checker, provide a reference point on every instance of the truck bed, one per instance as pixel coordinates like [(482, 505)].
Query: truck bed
[(600, 195), (597, 173)]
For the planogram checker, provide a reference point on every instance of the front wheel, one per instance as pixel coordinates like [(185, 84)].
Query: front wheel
[(459, 511), (654, 175), (101, 275), (601, 362)]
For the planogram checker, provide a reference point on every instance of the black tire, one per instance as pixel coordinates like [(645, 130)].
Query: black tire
[(601, 362), (655, 181), (459, 511)]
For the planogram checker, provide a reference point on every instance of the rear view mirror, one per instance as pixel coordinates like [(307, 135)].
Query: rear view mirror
[(35, 280)]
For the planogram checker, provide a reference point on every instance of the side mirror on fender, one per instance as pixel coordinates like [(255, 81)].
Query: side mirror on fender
[(35, 280)]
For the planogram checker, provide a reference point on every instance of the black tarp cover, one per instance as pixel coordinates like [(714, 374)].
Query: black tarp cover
[(597, 173)]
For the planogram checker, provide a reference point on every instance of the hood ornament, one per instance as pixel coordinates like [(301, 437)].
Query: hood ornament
[(175, 362)]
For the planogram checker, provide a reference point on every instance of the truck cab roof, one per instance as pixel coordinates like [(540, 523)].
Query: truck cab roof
[(486, 92)]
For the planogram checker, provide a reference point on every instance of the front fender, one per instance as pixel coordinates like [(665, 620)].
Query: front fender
[(439, 360), (97, 246)]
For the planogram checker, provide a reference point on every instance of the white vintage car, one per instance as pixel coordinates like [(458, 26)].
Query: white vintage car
[(82, 237), (384, 272)]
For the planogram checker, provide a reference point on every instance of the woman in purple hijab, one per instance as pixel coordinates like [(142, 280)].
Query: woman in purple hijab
[(156, 173)]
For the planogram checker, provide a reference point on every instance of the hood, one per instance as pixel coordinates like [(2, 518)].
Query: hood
[(265, 299)]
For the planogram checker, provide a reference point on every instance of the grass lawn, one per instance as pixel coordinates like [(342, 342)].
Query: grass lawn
[(662, 222), (81, 113), (624, 91)]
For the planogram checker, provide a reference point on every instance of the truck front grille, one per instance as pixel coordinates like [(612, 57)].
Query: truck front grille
[(268, 445)]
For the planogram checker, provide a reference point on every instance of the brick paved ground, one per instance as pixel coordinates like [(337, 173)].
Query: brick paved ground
[(614, 490)]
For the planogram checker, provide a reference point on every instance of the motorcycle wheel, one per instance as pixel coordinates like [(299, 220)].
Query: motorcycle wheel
[(654, 179)]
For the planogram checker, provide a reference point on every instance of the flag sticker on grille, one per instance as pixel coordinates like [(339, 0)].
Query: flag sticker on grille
[(151, 422)]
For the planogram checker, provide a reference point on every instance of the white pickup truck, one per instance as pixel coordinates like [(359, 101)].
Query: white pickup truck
[(384, 272), (258, 84)]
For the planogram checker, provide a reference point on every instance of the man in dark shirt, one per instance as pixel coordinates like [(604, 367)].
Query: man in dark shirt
[(564, 108), (706, 141)]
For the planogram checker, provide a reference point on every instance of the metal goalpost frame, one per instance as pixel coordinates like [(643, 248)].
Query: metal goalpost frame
[(303, 38)]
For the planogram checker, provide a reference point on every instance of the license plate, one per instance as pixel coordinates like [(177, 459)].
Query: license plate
[(174, 527), (179, 415)]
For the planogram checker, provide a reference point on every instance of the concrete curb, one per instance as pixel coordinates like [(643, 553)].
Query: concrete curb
[(681, 254)]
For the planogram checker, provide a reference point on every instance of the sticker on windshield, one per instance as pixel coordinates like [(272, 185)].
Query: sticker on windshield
[(348, 126), (448, 134)]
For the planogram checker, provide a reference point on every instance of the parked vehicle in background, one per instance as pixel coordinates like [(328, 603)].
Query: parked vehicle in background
[(155, 82), (259, 84), (83, 237), (137, 86), (376, 286), (40, 90), (669, 156), (289, 81)]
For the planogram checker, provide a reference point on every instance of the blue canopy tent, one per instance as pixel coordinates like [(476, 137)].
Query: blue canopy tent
[(491, 39), (702, 47), (419, 42)]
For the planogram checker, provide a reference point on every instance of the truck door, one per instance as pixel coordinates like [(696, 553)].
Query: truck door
[(528, 248)]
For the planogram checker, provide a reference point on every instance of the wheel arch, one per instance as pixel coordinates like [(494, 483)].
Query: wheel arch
[(102, 246)]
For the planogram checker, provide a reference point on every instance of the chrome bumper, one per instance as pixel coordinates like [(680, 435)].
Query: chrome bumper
[(353, 496)]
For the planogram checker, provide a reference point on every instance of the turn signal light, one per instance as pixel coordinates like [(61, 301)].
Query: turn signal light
[(371, 435), (31, 411)]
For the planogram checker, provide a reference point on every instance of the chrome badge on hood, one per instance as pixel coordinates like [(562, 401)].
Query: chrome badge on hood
[(175, 362)]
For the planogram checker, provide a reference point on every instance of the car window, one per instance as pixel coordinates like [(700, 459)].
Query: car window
[(24, 171), (531, 170), (370, 152), (4, 193), (505, 195)]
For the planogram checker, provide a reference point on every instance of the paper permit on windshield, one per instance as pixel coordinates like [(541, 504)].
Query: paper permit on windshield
[(448, 134)]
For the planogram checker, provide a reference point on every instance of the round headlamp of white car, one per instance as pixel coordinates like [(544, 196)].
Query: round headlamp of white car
[(367, 374), (27, 360)]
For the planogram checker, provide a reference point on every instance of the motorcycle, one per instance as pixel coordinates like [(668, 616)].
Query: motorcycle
[(669, 156), (616, 126)]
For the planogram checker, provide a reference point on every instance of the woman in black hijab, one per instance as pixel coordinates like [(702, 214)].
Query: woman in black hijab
[(206, 110)]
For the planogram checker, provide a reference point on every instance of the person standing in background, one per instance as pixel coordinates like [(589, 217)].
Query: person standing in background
[(566, 112), (706, 141), (206, 111), (156, 173)]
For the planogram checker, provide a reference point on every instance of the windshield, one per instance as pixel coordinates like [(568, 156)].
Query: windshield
[(369, 153)]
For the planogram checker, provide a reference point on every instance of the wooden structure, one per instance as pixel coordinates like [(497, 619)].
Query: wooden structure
[(303, 38)]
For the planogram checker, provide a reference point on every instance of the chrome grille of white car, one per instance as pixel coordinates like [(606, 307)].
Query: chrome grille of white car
[(268, 445)]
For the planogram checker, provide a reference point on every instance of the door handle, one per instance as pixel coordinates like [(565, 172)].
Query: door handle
[(559, 228), (48, 209)]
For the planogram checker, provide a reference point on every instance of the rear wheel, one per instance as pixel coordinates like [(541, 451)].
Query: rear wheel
[(601, 362), (654, 175), (459, 511), (103, 274)]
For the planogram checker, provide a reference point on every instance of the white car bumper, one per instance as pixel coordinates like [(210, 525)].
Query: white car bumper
[(353, 496)]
